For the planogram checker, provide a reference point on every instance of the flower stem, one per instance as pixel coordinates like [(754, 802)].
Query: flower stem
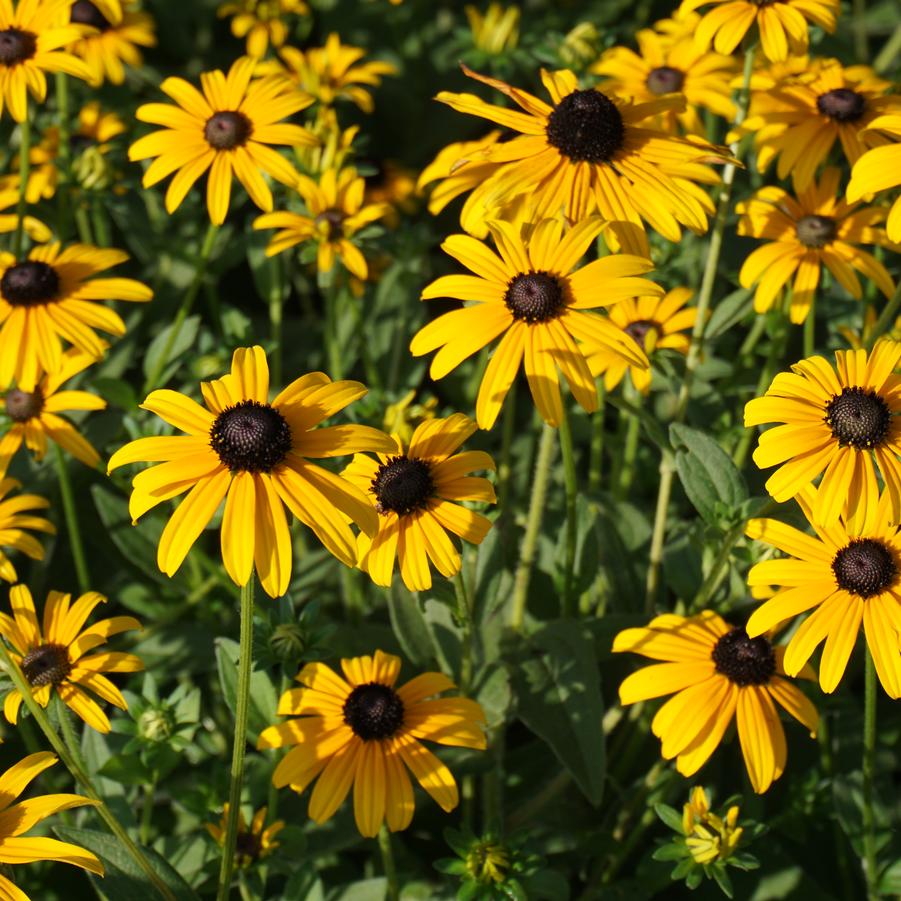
[(596, 457), (24, 173), (571, 485), (889, 52), (276, 302), (870, 868), (187, 303), (245, 665), (886, 318), (464, 615), (72, 527), (333, 349), (810, 331), (392, 891), (65, 149), (504, 467), (79, 773), (533, 525), (630, 451)]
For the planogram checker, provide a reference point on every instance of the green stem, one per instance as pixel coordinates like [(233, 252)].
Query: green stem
[(630, 452), (887, 55), (886, 318), (754, 335), (810, 331), (24, 173), (655, 558), (596, 454), (65, 149), (276, 302), (147, 810), (392, 890), (72, 527), (504, 467), (80, 774), (533, 524), (464, 615), (870, 867), (203, 260), (571, 486), (100, 222), (333, 349), (83, 221), (239, 746), (859, 29)]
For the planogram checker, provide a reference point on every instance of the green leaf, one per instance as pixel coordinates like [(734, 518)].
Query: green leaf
[(557, 685), (728, 312), (263, 697), (187, 335), (126, 769), (410, 627), (364, 890), (722, 880), (670, 816)]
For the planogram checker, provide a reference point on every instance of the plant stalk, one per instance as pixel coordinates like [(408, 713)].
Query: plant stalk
[(71, 514), (571, 486), (24, 173), (869, 862), (392, 890)]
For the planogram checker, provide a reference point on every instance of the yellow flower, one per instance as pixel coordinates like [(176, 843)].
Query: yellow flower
[(589, 152), (261, 22), (226, 129), (531, 296), (817, 229), (52, 298), (415, 492), (253, 455), (31, 36), (9, 221), (401, 418), (55, 660), (652, 323), (252, 843), (709, 837), (495, 31), (835, 424), (16, 819), (15, 523), (880, 169), (846, 574), (719, 674), (334, 147), (782, 23), (363, 732), (798, 119), (665, 67), (336, 213), (114, 44), (35, 414)]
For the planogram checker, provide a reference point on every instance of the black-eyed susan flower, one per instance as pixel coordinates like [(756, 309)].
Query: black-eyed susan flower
[(262, 22), (17, 519), (782, 24), (337, 211), (37, 415), (16, 819), (111, 45), (534, 297), (653, 323), (816, 228), (798, 120), (334, 72), (846, 574), (718, 674), (879, 169), (662, 67), (32, 36), (415, 491), (50, 299), (59, 654), (253, 842), (253, 454), (226, 129), (840, 422), (496, 30), (362, 731), (589, 152)]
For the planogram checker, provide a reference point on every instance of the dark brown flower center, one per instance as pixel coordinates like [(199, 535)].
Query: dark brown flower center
[(586, 126), (29, 283), (16, 46), (534, 297), (639, 329), (333, 220), (80, 142), (842, 104), (250, 437), (225, 131), (665, 80), (46, 665), (866, 567), (858, 417), (815, 231), (743, 660), (248, 847), (374, 711), (402, 485), (85, 13), (22, 405)]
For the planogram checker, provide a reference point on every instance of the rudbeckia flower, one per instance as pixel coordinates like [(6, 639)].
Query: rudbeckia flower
[(590, 152), (36, 415), (361, 731), (806, 233), (532, 296), (880, 169), (52, 297), (253, 843), (57, 658), (846, 574), (718, 673), (782, 23), (496, 31), (414, 491), (262, 22), (836, 423), (31, 38), (253, 454), (16, 819), (16, 521), (226, 129)]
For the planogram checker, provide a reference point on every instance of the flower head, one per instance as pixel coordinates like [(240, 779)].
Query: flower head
[(880, 169), (262, 22), (253, 843), (253, 454), (361, 731), (57, 658), (709, 837), (16, 521), (497, 30)]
